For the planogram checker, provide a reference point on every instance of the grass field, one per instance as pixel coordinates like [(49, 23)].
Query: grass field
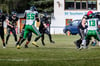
[(62, 53)]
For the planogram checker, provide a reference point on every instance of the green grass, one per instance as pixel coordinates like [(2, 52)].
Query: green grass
[(62, 53)]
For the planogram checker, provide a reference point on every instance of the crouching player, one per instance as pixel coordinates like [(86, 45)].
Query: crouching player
[(92, 29)]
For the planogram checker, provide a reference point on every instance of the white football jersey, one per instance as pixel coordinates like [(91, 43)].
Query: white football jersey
[(30, 17), (92, 24)]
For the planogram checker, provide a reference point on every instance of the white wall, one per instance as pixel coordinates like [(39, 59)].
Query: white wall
[(98, 5), (58, 23)]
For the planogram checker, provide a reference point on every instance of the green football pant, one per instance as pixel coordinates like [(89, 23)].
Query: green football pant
[(31, 28), (93, 33)]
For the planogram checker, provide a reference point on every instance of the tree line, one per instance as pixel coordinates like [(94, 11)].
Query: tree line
[(21, 5)]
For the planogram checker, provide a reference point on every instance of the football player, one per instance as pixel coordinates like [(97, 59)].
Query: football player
[(11, 25), (2, 19), (92, 29), (21, 37), (30, 16), (43, 28)]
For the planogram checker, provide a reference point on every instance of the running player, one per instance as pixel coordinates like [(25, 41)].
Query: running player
[(30, 16), (81, 28), (43, 28), (2, 19)]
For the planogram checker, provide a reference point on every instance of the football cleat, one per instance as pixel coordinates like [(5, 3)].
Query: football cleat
[(82, 47), (93, 43), (78, 46), (34, 43), (26, 46), (52, 42), (4, 47), (18, 47)]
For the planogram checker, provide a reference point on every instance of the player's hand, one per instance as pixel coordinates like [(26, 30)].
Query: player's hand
[(12, 26)]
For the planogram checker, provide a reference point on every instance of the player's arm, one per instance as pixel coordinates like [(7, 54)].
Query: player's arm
[(44, 24), (83, 22), (98, 23), (25, 15), (16, 21), (8, 23), (4, 18), (37, 18)]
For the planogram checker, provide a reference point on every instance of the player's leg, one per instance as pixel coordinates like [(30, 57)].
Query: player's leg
[(36, 32), (21, 36), (93, 43), (28, 39), (24, 37), (82, 35), (26, 31), (2, 37), (98, 37), (8, 35), (78, 43), (49, 35), (42, 34), (84, 38), (37, 38), (88, 38), (14, 34), (42, 39)]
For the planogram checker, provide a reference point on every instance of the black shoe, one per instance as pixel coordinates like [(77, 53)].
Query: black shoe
[(52, 42), (78, 46), (26, 46), (17, 43), (4, 46), (43, 43)]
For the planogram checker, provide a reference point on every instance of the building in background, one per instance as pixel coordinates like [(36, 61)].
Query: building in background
[(67, 10)]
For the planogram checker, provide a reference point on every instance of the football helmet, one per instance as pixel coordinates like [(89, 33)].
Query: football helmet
[(89, 13), (33, 8), (14, 13)]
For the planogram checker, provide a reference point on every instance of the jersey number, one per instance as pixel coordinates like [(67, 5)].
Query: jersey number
[(30, 16), (92, 23)]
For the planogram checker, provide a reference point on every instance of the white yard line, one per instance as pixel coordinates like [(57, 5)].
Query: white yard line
[(70, 59)]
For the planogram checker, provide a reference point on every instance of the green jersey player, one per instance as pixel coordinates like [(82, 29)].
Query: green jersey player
[(30, 16), (92, 29)]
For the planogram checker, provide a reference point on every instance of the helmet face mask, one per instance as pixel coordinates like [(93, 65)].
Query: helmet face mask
[(13, 13), (90, 15), (33, 8)]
